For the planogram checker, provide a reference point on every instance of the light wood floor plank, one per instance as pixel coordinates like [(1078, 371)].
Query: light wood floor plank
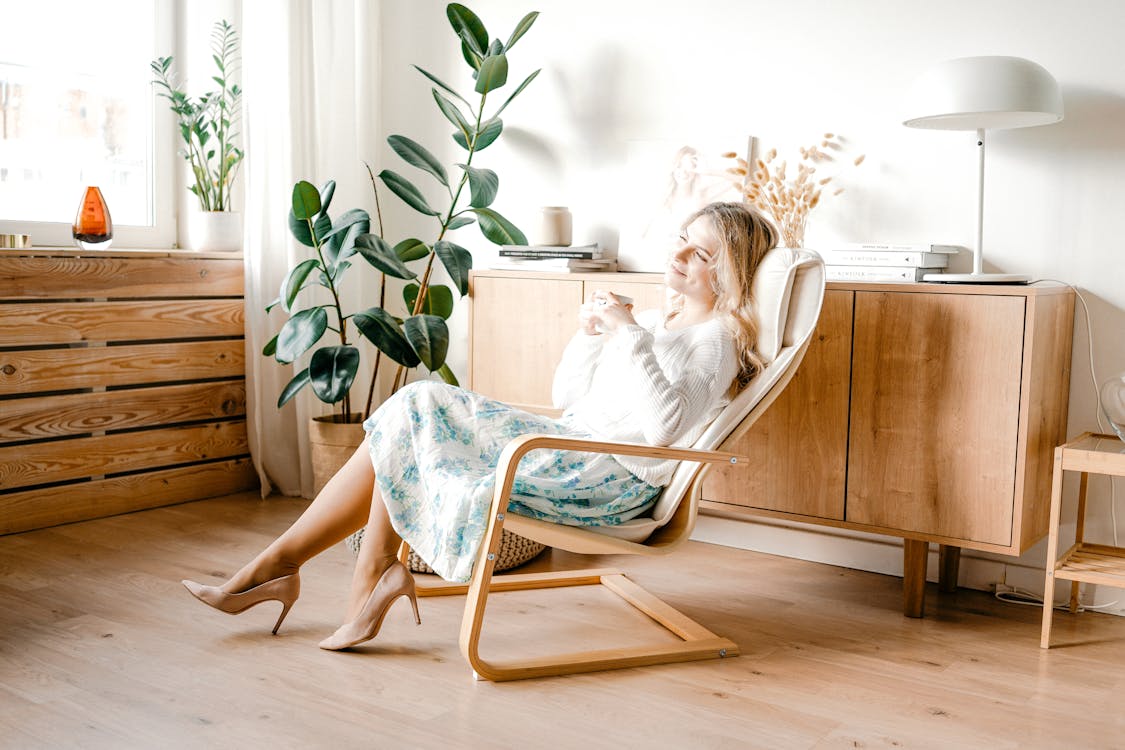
[(101, 647)]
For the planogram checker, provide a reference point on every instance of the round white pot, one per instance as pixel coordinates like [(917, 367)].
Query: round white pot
[(215, 231)]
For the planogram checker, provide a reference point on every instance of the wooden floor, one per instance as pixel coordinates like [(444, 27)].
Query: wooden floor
[(100, 646)]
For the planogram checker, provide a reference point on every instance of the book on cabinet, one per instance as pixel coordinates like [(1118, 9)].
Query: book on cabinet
[(874, 273)]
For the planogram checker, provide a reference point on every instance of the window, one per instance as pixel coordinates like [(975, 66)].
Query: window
[(77, 109)]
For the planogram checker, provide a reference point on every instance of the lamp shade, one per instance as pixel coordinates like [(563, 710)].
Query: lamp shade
[(971, 93)]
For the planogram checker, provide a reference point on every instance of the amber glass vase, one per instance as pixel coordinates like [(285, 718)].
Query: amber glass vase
[(93, 228)]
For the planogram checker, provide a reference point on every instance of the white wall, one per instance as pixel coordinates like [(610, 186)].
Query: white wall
[(787, 72)]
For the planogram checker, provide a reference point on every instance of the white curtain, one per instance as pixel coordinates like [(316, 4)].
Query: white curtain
[(309, 73)]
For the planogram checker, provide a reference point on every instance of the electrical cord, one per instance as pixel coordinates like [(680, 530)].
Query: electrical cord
[(1097, 398), (1013, 595)]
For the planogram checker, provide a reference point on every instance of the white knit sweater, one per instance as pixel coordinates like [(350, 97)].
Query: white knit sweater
[(646, 384)]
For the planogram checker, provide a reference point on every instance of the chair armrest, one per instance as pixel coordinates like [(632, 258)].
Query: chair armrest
[(520, 446)]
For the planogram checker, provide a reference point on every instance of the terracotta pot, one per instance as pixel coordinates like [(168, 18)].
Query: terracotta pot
[(331, 444)]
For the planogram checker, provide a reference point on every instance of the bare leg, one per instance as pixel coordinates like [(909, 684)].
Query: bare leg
[(342, 507), (376, 553)]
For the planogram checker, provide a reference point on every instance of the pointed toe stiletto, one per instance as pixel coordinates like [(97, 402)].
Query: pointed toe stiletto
[(396, 581), (285, 589)]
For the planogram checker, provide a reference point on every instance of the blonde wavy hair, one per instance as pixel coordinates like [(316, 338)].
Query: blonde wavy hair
[(746, 236)]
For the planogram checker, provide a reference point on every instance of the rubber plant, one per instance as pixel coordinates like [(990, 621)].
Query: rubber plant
[(422, 336)]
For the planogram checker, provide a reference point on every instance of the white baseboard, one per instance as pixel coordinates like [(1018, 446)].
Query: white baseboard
[(883, 554)]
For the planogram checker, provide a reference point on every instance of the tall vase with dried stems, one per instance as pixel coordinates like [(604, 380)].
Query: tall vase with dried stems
[(788, 200)]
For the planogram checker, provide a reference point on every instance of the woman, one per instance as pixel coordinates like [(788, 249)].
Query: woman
[(426, 472)]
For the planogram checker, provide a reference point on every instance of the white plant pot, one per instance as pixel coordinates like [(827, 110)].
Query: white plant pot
[(215, 231)]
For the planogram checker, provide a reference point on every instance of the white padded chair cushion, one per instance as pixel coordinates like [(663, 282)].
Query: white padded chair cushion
[(770, 289)]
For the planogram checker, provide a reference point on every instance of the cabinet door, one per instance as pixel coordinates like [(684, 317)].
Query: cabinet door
[(935, 413), (520, 328), (798, 448)]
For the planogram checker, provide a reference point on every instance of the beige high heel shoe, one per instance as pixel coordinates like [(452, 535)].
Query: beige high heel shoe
[(396, 581), (285, 589)]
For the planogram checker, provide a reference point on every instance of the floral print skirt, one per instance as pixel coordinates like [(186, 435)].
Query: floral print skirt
[(435, 448)]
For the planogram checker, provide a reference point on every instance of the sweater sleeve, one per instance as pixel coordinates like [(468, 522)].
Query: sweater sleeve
[(576, 369), (670, 406)]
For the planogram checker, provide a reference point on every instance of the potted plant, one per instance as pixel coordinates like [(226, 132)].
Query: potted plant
[(474, 130), (332, 366), (421, 336), (208, 127)]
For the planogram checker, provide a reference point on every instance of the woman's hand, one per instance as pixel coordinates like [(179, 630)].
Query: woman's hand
[(604, 313)]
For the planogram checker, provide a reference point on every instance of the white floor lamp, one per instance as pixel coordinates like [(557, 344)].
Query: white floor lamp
[(983, 93)]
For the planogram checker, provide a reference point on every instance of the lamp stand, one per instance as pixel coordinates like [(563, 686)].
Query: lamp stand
[(978, 276)]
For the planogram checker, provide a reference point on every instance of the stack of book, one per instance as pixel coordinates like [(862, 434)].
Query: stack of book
[(559, 259), (882, 262)]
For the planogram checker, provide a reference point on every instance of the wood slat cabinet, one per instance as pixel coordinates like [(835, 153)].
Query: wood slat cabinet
[(928, 412), (121, 383)]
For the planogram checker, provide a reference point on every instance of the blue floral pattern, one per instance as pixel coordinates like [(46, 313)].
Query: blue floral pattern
[(435, 448)]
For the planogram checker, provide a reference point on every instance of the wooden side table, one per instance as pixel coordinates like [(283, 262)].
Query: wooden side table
[(1090, 453)]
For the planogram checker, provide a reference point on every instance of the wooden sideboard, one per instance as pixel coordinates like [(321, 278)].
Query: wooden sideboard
[(121, 383), (922, 411)]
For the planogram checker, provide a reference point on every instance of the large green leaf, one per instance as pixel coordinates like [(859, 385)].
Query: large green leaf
[(416, 155), (521, 28), (380, 328), (447, 374), (411, 249), (300, 332), (489, 132), (497, 229), (378, 253), (405, 189), (306, 200), (449, 109), (300, 228), (326, 194), (483, 184), (468, 26), (515, 93), (460, 221), (457, 261), (295, 280), (299, 381), (332, 371), (472, 58), (340, 240), (493, 73), (429, 336), (442, 84), (439, 299), (349, 219)]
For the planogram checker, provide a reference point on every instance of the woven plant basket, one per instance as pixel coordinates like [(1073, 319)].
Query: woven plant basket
[(515, 550)]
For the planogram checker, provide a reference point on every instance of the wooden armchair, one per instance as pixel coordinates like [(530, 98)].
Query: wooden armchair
[(789, 290)]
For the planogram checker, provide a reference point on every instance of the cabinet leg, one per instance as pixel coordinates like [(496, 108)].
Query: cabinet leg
[(949, 563), (914, 555)]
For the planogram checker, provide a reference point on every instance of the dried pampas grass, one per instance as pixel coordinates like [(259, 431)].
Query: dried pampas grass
[(787, 200)]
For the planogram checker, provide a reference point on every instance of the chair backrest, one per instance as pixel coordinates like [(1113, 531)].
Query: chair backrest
[(788, 289)]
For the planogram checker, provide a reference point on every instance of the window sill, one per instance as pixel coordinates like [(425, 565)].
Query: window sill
[(73, 252)]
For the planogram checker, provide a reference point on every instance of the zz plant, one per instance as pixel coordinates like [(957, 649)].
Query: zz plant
[(208, 123), (422, 337)]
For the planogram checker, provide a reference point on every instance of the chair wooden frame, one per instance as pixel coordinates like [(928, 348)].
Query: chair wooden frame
[(697, 642)]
